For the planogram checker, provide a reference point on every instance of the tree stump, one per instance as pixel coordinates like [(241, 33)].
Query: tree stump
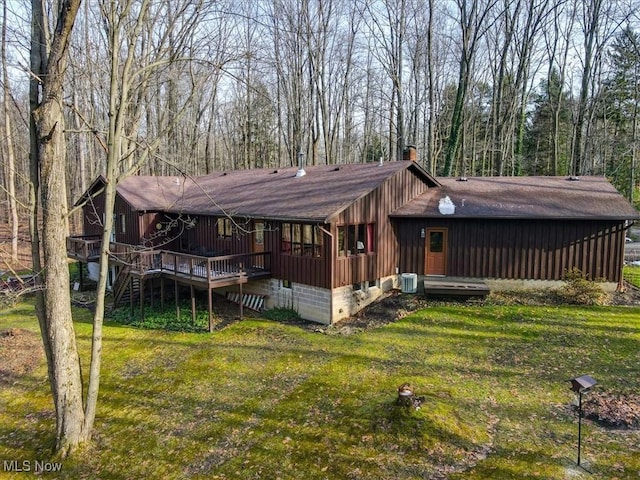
[(407, 397)]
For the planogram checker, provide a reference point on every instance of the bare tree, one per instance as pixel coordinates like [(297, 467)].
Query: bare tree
[(9, 146), (473, 23), (49, 159)]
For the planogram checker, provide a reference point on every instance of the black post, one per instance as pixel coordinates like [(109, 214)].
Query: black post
[(579, 423)]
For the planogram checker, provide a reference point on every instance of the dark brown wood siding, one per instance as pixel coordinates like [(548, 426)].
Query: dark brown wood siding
[(92, 217), (375, 208), (315, 271), (519, 249), (123, 213)]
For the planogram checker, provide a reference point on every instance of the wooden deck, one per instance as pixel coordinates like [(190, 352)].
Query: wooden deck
[(452, 287), (197, 270), (139, 265), (84, 248)]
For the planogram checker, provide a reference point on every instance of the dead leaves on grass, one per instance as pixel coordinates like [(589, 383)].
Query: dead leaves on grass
[(615, 410), (20, 353)]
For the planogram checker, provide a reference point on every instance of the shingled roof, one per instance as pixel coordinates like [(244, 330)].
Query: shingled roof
[(524, 197), (322, 193)]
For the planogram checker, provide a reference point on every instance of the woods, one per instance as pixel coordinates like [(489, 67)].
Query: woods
[(187, 87), (480, 88)]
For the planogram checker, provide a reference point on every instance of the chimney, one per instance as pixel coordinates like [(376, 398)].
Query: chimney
[(410, 153)]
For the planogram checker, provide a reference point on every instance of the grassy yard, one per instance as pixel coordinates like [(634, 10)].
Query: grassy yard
[(264, 400), (632, 275)]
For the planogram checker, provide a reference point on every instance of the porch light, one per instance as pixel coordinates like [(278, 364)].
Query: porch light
[(580, 385), (423, 234)]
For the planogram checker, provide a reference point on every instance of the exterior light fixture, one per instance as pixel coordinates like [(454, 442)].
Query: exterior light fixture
[(422, 233), (580, 385)]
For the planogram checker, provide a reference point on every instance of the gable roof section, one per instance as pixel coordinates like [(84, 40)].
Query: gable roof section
[(524, 197), (277, 194), (96, 186)]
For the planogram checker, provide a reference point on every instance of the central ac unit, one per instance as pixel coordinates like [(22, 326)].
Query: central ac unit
[(409, 282)]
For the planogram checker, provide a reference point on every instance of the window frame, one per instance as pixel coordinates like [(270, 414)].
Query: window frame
[(224, 228), (300, 239), (355, 239)]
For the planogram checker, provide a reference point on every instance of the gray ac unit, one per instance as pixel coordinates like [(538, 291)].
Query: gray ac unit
[(409, 282)]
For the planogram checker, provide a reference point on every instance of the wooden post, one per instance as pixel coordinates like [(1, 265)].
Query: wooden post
[(142, 298), (131, 294), (241, 299), (162, 291), (81, 277), (193, 306), (210, 312), (177, 300)]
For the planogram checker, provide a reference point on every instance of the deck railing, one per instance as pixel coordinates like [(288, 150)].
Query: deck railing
[(141, 260), (84, 247), (195, 267)]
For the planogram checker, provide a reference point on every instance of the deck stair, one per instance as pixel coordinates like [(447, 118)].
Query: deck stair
[(122, 284)]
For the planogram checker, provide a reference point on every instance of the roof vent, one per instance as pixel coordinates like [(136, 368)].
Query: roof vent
[(176, 181), (300, 172), (381, 161), (574, 178), (337, 169), (463, 179), (275, 171)]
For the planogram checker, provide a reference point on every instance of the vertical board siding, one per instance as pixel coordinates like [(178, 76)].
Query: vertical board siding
[(519, 249), (315, 271), (375, 208)]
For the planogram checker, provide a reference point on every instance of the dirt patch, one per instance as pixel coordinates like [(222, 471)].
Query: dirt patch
[(20, 353), (391, 307)]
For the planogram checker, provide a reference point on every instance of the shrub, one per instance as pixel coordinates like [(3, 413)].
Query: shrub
[(579, 290)]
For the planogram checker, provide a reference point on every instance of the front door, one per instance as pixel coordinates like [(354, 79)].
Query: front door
[(436, 251)]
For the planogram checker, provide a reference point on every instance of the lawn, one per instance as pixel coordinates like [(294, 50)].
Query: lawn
[(266, 400)]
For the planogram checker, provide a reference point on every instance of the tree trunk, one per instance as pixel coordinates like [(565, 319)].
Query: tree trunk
[(8, 135), (55, 317)]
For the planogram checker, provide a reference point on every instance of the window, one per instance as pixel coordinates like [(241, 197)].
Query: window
[(318, 241), (286, 284), (301, 239), (356, 239), (285, 244), (436, 242), (342, 242), (225, 228), (296, 239)]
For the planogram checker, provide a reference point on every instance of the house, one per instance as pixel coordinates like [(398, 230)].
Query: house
[(328, 240), (517, 228)]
